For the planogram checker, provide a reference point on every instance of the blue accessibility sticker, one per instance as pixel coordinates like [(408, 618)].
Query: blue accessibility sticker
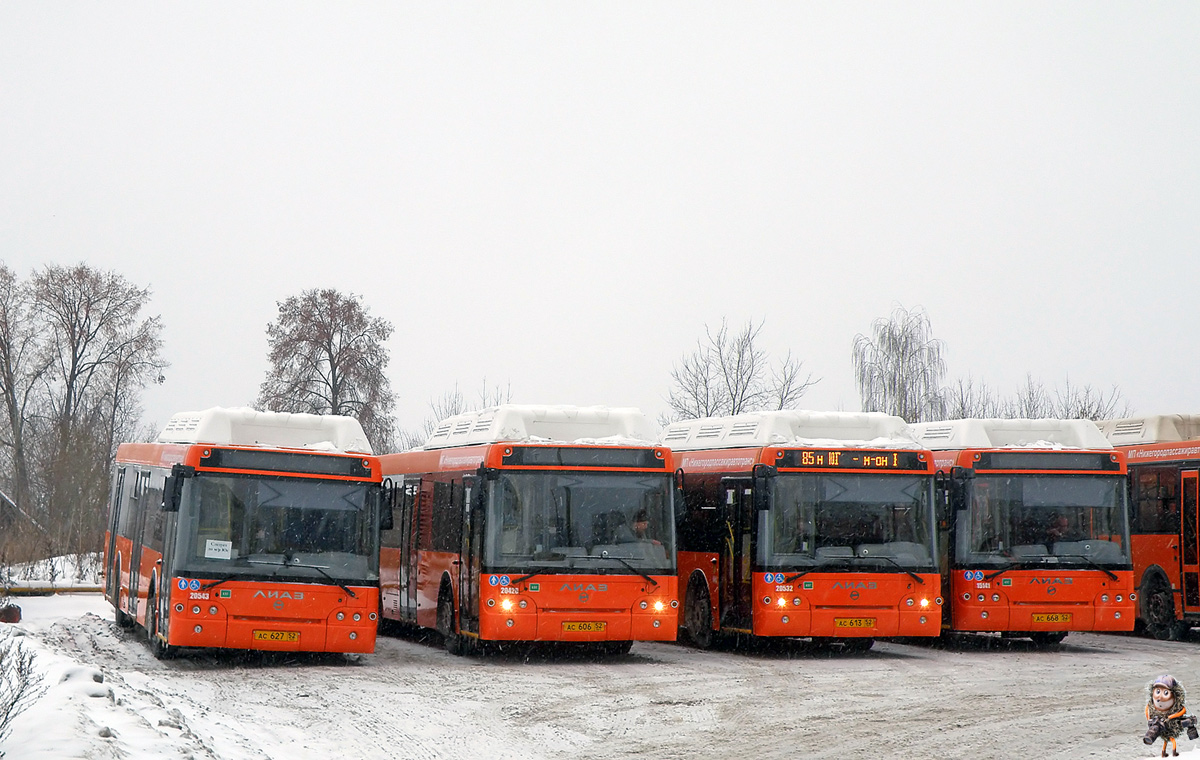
[(504, 581), (194, 585), (182, 584)]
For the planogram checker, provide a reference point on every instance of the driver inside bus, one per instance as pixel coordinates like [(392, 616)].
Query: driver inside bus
[(641, 528)]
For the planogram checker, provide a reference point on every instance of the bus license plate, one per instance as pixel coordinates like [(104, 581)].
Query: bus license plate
[(286, 636), (854, 622), (1051, 617), (593, 627)]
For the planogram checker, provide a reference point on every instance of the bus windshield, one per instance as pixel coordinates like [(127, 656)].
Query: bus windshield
[(848, 521), (602, 522), (293, 528), (1062, 519)]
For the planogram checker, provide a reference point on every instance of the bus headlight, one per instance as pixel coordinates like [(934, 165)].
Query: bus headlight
[(782, 602), (909, 601), (1104, 598), (644, 604), (924, 603), (659, 606), (506, 605)]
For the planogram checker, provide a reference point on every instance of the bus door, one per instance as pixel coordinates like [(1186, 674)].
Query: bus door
[(471, 509), (113, 568), (737, 555), (410, 519), (141, 484), (1190, 572)]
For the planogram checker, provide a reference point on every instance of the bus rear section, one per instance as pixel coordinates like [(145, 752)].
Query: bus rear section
[(217, 539), (544, 535), (1163, 455), (1037, 542), (806, 525)]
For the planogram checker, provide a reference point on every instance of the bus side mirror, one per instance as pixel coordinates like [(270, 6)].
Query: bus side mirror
[(173, 487)]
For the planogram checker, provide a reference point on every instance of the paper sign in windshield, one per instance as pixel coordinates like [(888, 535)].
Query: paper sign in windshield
[(218, 549)]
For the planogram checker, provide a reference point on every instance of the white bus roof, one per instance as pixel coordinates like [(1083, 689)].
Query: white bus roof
[(791, 428), (523, 422), (1155, 428), (248, 427), (996, 433)]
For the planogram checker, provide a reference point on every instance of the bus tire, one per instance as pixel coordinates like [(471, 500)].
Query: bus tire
[(1043, 639), (158, 647), (698, 614), (452, 639), (1158, 607)]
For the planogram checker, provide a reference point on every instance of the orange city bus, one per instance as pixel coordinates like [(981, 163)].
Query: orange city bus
[(1037, 538), (1163, 452), (533, 524), (806, 524), (247, 530)]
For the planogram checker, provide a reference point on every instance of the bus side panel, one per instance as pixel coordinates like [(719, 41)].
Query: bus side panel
[(431, 568), (1161, 550), (389, 583), (707, 565), (120, 565), (150, 560)]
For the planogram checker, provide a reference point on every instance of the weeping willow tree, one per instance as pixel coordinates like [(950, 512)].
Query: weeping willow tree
[(899, 369)]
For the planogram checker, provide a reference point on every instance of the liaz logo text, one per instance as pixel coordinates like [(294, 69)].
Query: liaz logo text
[(1045, 581), (279, 594), (584, 587), (854, 584)]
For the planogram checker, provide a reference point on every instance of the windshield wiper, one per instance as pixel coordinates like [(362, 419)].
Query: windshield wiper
[(911, 574), (1093, 563), (214, 584), (288, 563), (840, 561), (623, 561)]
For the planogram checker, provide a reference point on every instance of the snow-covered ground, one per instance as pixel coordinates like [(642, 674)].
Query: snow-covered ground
[(107, 697)]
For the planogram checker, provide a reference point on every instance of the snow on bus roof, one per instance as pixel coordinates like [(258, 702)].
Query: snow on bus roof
[(1020, 433), (249, 427), (601, 425), (1154, 428), (791, 427)]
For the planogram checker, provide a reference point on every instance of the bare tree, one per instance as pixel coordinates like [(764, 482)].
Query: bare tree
[(23, 363), (965, 399), (728, 373), (101, 353), (450, 403), (20, 683), (899, 370), (328, 355)]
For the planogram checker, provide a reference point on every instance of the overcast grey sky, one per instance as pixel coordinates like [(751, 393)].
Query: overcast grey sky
[(559, 196)]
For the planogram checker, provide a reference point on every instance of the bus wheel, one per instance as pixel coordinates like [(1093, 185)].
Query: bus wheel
[(122, 619), (1043, 639), (158, 648), (698, 615), (445, 624), (1159, 609)]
